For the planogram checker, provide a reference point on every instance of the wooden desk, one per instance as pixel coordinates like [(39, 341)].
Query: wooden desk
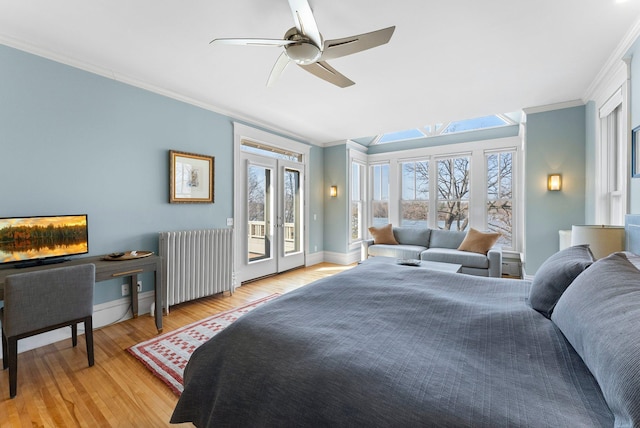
[(110, 270)]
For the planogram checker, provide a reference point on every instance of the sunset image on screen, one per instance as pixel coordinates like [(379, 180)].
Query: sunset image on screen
[(30, 238)]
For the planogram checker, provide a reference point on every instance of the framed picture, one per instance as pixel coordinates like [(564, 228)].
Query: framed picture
[(635, 152), (191, 178)]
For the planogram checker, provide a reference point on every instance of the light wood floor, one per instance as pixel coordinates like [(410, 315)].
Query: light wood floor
[(56, 388)]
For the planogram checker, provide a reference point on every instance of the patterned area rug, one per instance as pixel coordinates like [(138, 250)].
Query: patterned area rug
[(167, 355)]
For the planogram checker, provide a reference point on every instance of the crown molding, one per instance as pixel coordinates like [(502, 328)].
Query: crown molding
[(612, 66), (551, 107), (128, 80)]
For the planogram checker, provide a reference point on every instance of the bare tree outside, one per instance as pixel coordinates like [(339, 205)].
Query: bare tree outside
[(414, 205), (256, 192), (453, 193), (500, 196)]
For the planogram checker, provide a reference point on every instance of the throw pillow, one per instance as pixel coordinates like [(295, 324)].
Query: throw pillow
[(599, 314), (478, 242), (555, 275), (383, 235)]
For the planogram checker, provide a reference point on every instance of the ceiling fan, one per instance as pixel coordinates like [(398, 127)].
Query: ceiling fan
[(304, 45)]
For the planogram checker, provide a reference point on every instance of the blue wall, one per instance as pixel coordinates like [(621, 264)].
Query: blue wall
[(336, 209), (556, 142), (75, 142)]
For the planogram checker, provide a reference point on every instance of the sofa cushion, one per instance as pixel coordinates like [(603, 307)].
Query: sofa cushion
[(446, 238), (555, 275), (383, 235), (478, 242), (412, 235), (599, 314), (399, 251), (450, 255)]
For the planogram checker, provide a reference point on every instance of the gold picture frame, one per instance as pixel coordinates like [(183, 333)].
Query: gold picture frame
[(191, 178)]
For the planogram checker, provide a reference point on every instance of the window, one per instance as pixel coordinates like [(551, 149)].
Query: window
[(475, 124), (433, 130), (357, 194), (380, 196), (500, 181), (453, 193), (414, 205)]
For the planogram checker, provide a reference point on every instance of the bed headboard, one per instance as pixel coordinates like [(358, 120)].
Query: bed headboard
[(632, 233)]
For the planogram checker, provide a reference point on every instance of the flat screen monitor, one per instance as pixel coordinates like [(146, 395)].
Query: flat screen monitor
[(30, 241)]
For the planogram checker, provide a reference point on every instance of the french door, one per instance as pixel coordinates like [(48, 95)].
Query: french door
[(272, 221)]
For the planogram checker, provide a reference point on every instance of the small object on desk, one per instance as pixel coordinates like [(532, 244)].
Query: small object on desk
[(129, 255), (409, 262)]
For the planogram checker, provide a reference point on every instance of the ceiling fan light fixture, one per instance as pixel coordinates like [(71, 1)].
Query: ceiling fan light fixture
[(303, 53)]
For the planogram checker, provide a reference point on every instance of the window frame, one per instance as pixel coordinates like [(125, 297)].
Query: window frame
[(355, 156), (478, 173)]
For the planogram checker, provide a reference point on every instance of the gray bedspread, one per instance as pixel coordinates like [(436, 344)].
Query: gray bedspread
[(385, 345)]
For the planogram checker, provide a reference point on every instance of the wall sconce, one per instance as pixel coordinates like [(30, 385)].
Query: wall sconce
[(554, 182), (333, 191)]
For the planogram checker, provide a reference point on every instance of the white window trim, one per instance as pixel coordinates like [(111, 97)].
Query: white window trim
[(355, 155), (476, 150), (610, 90)]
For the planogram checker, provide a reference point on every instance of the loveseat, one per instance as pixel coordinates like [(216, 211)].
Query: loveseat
[(437, 246)]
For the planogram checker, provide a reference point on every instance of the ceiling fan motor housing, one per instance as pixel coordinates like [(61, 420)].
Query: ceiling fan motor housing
[(304, 51)]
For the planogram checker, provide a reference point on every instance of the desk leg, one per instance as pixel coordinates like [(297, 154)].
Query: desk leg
[(158, 292), (134, 295)]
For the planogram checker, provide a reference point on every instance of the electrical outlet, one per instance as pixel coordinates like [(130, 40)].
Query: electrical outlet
[(139, 286), (125, 289)]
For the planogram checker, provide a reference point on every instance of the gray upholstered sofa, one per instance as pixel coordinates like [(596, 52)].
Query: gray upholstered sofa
[(437, 246)]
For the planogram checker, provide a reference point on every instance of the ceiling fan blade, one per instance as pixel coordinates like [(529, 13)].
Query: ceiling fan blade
[(278, 68), (249, 42), (324, 71), (349, 45), (305, 21)]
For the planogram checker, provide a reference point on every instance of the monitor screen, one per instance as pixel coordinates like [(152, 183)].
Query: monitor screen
[(42, 238)]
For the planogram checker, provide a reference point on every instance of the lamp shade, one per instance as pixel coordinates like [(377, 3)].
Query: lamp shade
[(603, 240)]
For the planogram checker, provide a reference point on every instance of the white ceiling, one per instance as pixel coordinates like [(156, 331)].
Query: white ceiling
[(447, 60)]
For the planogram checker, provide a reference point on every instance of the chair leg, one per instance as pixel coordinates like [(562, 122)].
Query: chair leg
[(12, 344), (88, 335), (5, 358), (74, 334)]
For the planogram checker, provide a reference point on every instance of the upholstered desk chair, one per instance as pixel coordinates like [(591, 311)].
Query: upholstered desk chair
[(45, 300)]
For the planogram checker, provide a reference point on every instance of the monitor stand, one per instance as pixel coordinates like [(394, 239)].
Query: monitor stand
[(41, 262)]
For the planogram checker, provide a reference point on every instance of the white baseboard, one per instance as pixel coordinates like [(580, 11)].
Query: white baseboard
[(103, 314), (314, 259), (342, 258)]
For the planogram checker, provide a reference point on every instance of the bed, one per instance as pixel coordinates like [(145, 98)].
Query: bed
[(386, 345)]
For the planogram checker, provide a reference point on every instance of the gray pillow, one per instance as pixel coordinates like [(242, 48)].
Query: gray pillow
[(412, 235), (555, 275), (600, 316), (446, 238)]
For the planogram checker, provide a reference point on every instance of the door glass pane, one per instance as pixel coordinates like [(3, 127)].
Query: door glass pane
[(259, 204), (292, 214)]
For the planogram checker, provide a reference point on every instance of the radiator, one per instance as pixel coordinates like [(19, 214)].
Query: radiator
[(196, 263)]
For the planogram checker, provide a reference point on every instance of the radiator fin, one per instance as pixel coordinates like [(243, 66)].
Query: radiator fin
[(196, 263)]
